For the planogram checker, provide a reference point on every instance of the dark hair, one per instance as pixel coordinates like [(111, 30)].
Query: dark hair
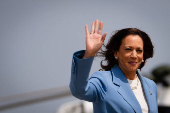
[(115, 42)]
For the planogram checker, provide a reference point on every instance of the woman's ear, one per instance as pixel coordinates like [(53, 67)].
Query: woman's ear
[(116, 56), (115, 53)]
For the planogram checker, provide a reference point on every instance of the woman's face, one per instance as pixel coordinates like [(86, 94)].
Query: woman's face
[(130, 54)]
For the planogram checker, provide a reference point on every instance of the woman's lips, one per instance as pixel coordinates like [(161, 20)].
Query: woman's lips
[(132, 63)]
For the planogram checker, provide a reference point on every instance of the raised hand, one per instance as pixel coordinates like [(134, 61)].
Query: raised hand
[(95, 39)]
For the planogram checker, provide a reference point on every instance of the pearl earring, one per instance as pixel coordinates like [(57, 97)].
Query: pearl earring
[(142, 60), (116, 58)]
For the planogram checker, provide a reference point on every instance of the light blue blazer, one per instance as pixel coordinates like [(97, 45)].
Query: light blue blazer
[(109, 91)]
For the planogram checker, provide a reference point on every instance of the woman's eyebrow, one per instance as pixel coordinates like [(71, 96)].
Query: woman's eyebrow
[(128, 46), (139, 48), (132, 47)]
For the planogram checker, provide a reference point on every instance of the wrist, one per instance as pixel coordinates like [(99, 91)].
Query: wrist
[(88, 54)]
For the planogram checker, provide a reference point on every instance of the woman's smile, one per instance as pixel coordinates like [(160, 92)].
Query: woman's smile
[(132, 63)]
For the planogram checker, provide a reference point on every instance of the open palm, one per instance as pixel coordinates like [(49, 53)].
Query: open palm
[(94, 39)]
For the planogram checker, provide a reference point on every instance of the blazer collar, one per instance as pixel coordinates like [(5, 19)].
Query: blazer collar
[(124, 88)]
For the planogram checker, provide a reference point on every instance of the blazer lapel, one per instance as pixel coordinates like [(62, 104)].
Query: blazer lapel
[(124, 89), (146, 89)]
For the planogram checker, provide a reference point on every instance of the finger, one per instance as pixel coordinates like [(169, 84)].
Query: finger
[(100, 27), (103, 37), (92, 28), (87, 30), (96, 26)]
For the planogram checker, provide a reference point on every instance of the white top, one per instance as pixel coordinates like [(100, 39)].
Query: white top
[(139, 94)]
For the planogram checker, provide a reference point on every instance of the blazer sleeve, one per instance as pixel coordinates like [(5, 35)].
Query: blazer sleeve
[(81, 86)]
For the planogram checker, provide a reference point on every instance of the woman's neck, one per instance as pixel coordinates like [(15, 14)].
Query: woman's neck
[(131, 76)]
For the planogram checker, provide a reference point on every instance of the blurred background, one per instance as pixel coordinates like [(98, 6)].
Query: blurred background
[(38, 38)]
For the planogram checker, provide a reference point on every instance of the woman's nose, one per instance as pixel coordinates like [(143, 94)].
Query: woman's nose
[(134, 54)]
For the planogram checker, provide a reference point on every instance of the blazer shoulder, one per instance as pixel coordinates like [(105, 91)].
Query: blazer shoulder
[(151, 84), (102, 75), (149, 81)]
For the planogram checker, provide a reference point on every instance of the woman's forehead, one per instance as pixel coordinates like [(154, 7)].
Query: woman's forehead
[(132, 40)]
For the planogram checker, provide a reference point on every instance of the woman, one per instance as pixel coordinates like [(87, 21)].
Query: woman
[(120, 88)]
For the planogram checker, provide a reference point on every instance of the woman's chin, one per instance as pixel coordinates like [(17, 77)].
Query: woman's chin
[(129, 68), (133, 68)]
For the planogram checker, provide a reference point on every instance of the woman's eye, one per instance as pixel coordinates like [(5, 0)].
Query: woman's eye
[(139, 50), (128, 49)]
